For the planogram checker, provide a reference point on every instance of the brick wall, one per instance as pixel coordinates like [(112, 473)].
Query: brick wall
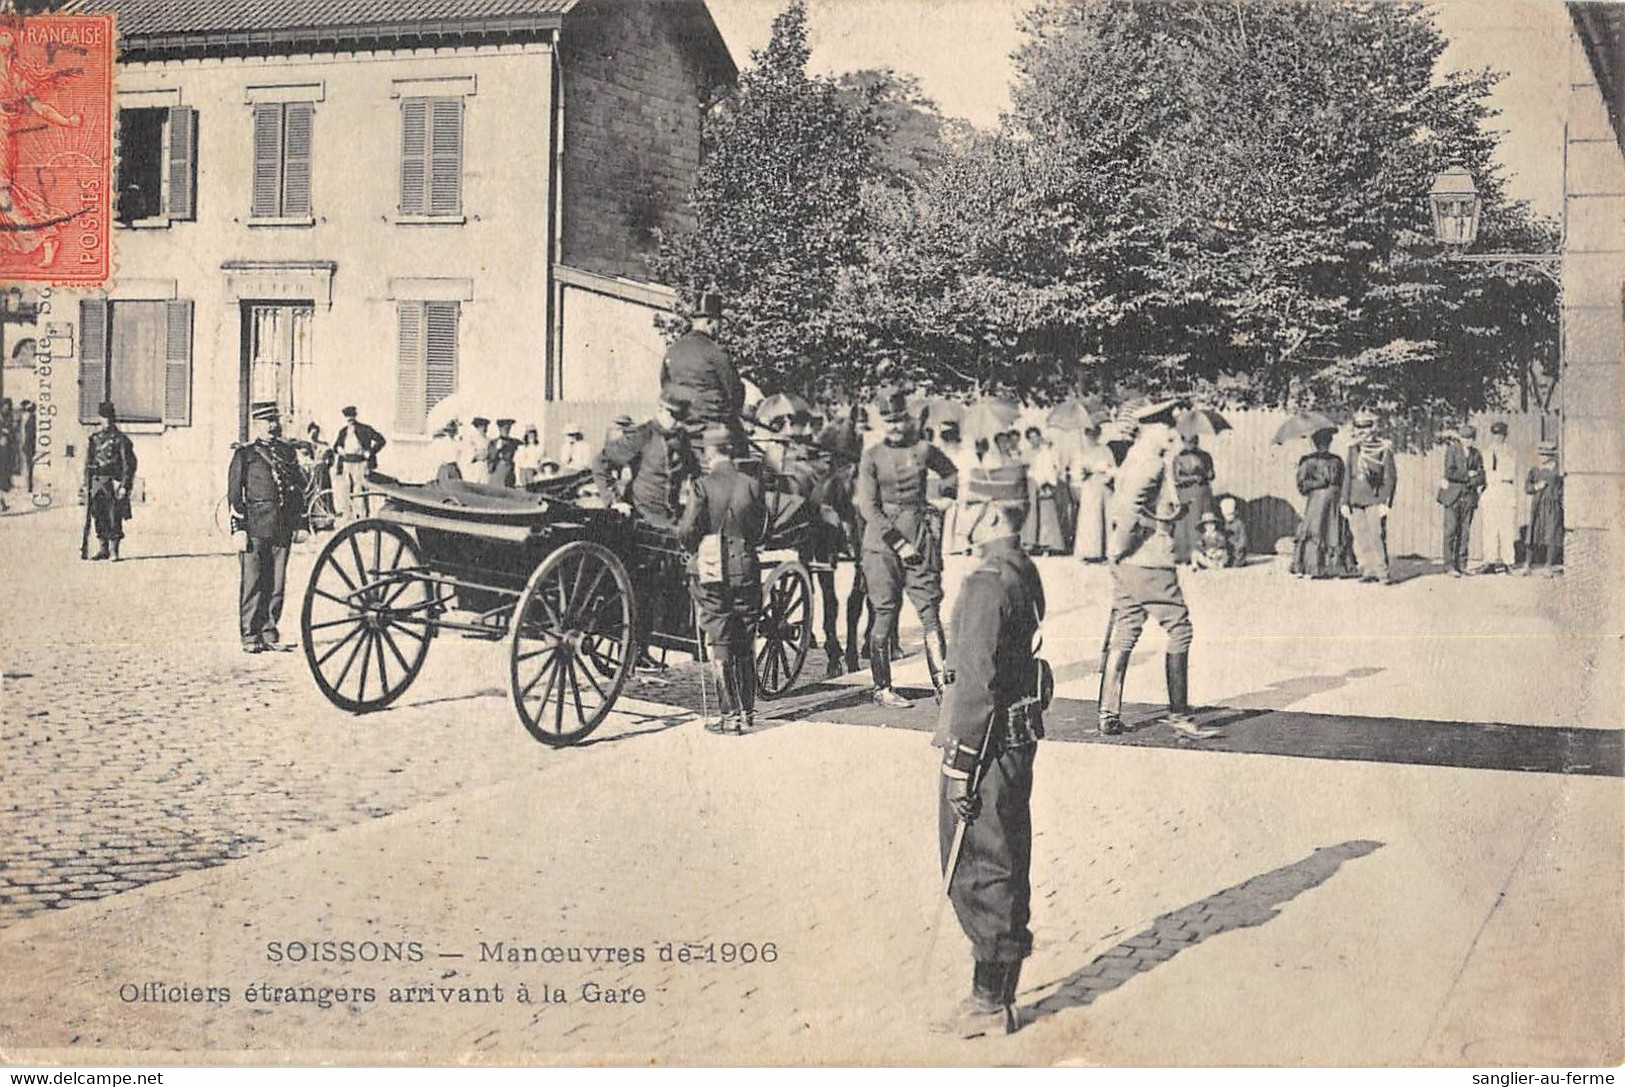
[(635, 75)]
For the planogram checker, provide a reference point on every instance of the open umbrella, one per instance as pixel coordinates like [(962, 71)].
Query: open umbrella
[(456, 406), (780, 405), (989, 416), (940, 410), (1301, 425), (1074, 414), (1202, 421)]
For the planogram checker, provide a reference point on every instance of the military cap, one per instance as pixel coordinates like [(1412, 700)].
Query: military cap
[(265, 411), (1498, 427), (892, 404), (25, 405), (1006, 483), (348, 411), (479, 421), (710, 305), (106, 410)]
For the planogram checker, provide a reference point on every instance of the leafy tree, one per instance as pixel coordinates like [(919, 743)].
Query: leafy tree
[(779, 220)]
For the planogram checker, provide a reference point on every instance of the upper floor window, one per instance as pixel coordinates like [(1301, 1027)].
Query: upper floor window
[(432, 156), (157, 164), (282, 134)]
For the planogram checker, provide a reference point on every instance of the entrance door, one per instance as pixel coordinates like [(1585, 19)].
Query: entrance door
[(277, 363)]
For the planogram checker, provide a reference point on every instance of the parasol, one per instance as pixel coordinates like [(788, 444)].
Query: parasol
[(1202, 421), (780, 405), (1301, 425), (940, 410), (1075, 414), (456, 406), (989, 416)]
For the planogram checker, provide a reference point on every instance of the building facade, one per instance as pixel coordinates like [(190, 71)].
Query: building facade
[(386, 206)]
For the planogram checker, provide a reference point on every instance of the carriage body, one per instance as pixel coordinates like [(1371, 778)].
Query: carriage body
[(566, 585)]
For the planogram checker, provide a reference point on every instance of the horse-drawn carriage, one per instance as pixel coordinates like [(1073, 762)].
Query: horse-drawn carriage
[(571, 589)]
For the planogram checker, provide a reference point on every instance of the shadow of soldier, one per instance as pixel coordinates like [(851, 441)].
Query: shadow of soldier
[(1245, 905)]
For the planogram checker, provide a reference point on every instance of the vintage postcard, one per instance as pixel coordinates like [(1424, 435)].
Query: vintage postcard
[(808, 532)]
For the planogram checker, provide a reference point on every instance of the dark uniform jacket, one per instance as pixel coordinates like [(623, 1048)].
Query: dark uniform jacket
[(1463, 474), (700, 370), (660, 461), (1372, 476), (110, 457), (891, 491), (727, 503), (265, 490), (359, 440), (990, 655)]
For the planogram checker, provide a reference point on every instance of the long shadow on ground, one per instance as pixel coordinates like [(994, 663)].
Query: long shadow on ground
[(1245, 905)]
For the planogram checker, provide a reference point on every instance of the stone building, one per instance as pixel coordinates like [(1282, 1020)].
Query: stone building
[(383, 203)]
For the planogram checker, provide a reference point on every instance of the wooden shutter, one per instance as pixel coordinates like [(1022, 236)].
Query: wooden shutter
[(267, 160), (410, 410), (178, 364), (182, 163), (446, 162), (440, 352), (93, 318), (297, 118), (414, 155)]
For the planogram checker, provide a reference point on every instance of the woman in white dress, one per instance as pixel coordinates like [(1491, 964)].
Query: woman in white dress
[(1091, 481), (1498, 505)]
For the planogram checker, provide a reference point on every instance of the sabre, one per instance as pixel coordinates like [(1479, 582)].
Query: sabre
[(954, 850)]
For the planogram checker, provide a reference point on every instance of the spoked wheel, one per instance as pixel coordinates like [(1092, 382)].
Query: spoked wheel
[(368, 617), (320, 515), (784, 632), (572, 643)]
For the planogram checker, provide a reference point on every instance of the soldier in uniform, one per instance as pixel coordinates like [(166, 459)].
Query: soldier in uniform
[(1140, 547), (989, 729), (722, 527), (659, 454), (696, 368), (265, 492), (902, 544), (109, 475)]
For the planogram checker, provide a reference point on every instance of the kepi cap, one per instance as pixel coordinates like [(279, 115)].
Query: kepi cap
[(265, 411), (1006, 483), (479, 421), (348, 411), (106, 410)]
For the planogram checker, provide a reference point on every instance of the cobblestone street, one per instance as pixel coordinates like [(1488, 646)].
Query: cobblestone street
[(173, 807)]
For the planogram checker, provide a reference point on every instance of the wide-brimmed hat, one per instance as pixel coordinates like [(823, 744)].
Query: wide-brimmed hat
[(479, 421)]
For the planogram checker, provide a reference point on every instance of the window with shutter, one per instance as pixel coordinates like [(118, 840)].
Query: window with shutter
[(410, 408), (181, 199), (178, 364), (432, 156), (440, 352), (296, 125), (414, 155), (92, 357), (267, 160)]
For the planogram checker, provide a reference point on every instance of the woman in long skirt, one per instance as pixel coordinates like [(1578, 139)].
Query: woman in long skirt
[(1048, 501), (1091, 477), (1193, 478), (1320, 542)]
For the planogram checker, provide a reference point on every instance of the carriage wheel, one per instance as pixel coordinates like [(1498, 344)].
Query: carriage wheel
[(220, 521), (784, 632), (572, 645), (319, 511), (367, 619)]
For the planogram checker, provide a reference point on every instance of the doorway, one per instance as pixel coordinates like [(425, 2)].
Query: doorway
[(277, 363)]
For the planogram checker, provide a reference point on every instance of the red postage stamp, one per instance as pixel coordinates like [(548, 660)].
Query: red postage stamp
[(56, 148)]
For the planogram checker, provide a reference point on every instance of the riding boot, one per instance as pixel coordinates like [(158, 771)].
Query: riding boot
[(936, 660), (100, 555), (725, 703), (1110, 718), (1177, 668), (880, 668), (854, 616)]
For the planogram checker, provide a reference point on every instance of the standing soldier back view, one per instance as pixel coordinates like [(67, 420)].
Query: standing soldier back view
[(265, 492), (109, 475), (698, 370), (989, 729), (355, 453), (722, 527), (1140, 546), (902, 543)]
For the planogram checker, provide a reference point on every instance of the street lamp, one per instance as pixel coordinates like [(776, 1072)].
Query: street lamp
[(13, 310)]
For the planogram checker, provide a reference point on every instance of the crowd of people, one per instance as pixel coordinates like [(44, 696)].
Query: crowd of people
[(19, 439)]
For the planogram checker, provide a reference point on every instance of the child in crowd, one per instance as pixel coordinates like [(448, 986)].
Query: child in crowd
[(1235, 530), (1212, 551)]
